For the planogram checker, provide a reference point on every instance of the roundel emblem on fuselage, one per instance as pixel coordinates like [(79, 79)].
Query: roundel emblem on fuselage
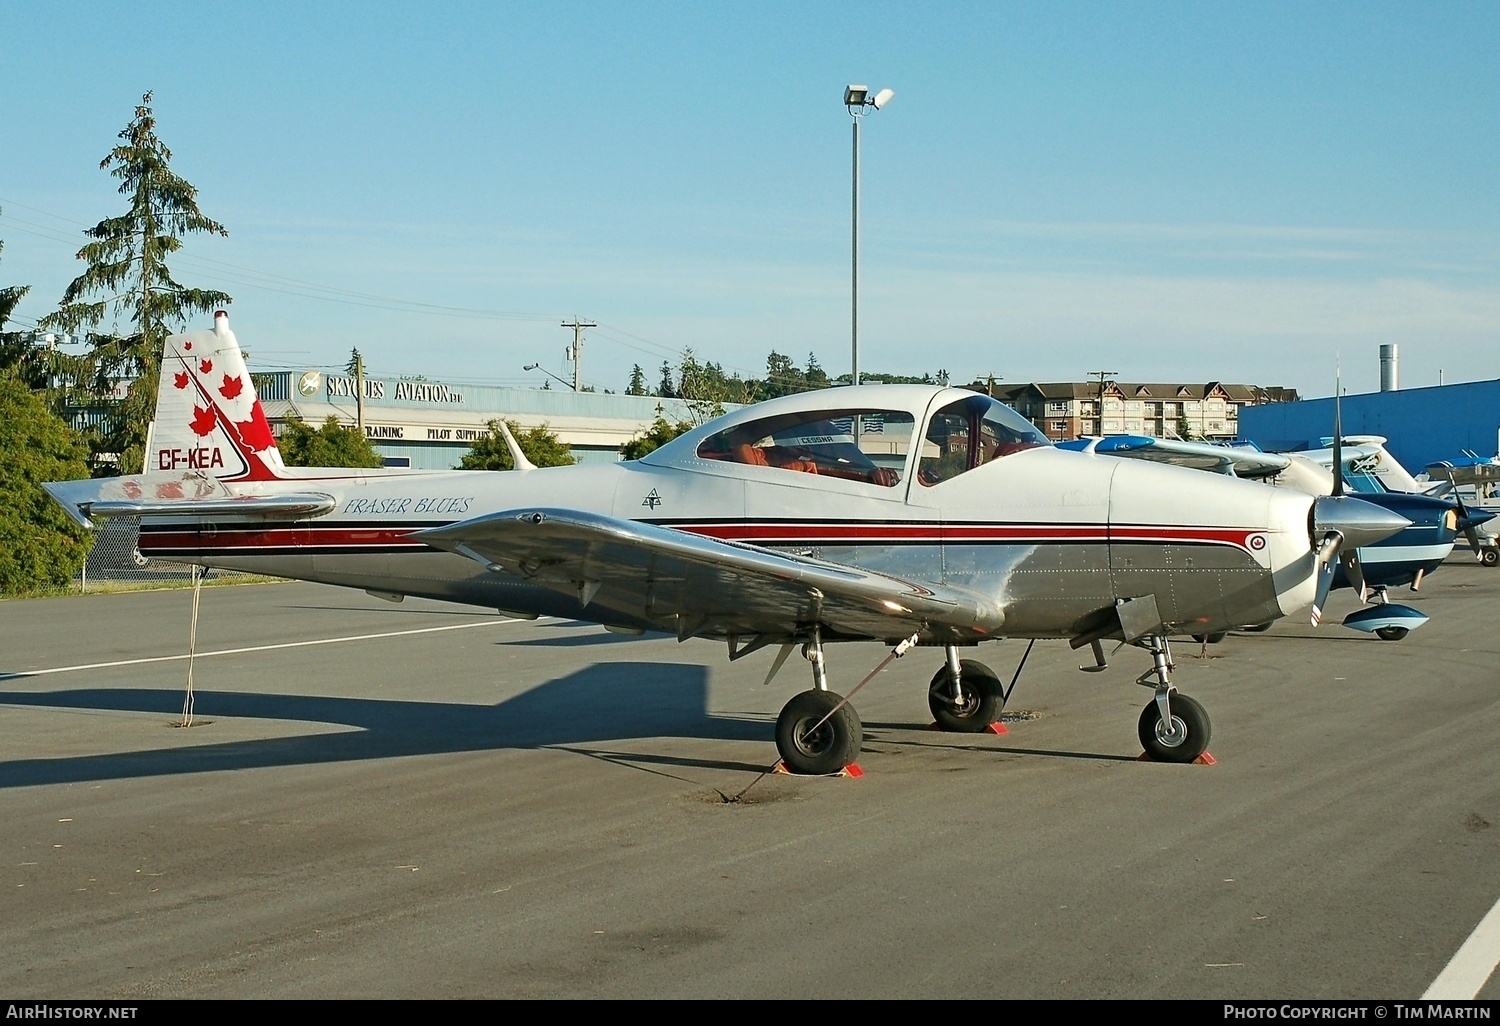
[(1257, 542), (310, 382)]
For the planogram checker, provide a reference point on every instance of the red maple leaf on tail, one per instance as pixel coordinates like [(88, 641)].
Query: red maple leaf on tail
[(180, 380), (255, 433), (205, 366), (203, 421), (231, 387)]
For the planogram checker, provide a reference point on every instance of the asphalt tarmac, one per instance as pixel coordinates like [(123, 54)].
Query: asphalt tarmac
[(426, 801)]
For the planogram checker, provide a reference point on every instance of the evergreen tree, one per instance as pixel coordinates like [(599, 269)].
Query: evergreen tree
[(331, 445), (637, 384), (814, 375), (15, 349), (538, 444), (666, 390), (127, 270), (41, 548)]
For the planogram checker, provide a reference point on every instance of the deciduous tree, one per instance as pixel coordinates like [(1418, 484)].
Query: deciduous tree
[(654, 437), (538, 444), (40, 547), (332, 445)]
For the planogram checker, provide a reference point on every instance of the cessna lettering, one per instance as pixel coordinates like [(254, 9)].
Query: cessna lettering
[(192, 459)]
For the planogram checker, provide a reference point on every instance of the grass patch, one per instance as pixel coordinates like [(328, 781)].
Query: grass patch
[(118, 587)]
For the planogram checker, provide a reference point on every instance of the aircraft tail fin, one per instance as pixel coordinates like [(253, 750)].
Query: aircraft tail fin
[(208, 417)]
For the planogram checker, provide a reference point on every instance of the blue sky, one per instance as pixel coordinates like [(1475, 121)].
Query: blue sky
[(1241, 192)]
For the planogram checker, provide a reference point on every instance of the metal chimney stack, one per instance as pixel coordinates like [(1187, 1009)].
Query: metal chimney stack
[(1388, 379)]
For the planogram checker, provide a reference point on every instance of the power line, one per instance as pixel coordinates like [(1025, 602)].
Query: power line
[(252, 278)]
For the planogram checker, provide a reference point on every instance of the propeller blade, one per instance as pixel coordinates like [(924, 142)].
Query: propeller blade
[(1349, 560), (1466, 522), (1325, 584)]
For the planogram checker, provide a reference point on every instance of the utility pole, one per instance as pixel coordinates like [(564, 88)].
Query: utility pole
[(359, 392), (1103, 376), (576, 353)]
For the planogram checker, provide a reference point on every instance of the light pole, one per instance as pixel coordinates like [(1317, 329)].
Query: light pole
[(554, 377), (859, 102)]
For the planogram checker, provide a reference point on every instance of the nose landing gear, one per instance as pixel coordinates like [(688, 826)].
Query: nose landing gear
[(1173, 727)]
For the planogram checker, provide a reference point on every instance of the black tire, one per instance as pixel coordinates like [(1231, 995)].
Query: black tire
[(828, 748), (1192, 724), (1210, 639), (1259, 628), (980, 703), (1490, 556), (1391, 633)]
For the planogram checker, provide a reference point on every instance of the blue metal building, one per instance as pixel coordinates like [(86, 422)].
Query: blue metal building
[(1422, 425)]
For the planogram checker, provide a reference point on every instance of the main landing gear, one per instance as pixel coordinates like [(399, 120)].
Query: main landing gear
[(818, 732), (1173, 727), (965, 696)]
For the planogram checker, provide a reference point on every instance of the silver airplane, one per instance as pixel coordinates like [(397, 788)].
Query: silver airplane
[(909, 515)]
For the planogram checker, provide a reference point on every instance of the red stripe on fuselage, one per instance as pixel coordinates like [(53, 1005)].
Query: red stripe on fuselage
[(236, 540), (241, 538)]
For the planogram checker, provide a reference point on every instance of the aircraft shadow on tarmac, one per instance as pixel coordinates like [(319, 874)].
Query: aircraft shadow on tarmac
[(608, 702)]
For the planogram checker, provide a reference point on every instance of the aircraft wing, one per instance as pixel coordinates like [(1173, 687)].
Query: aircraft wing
[(1241, 462), (1467, 471), (692, 585)]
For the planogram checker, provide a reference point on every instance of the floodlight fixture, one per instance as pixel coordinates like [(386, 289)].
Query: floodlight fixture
[(859, 102)]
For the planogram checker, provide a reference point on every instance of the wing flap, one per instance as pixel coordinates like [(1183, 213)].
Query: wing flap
[(696, 585)]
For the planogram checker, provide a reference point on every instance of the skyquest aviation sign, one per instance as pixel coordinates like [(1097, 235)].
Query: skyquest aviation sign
[(411, 391)]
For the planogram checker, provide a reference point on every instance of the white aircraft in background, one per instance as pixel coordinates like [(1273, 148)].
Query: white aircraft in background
[(900, 514)]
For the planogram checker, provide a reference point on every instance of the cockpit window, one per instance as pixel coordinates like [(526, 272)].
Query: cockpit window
[(855, 445), (969, 433)]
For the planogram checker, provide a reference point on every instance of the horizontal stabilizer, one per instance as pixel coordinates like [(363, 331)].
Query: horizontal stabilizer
[(304, 504), (186, 496)]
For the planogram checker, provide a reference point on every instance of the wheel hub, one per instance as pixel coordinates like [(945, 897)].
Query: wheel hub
[(1173, 734), (813, 739)]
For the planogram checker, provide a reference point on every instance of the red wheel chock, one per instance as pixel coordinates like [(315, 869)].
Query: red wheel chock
[(852, 770), (994, 728), (1205, 759)]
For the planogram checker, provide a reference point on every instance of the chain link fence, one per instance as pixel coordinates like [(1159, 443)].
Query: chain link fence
[(116, 558)]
